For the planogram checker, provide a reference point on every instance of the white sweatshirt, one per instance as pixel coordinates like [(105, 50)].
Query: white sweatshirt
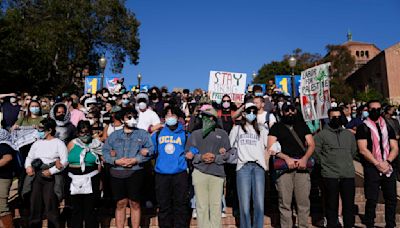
[(48, 151), (250, 146)]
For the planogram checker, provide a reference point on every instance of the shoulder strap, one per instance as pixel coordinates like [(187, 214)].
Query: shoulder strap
[(296, 137)]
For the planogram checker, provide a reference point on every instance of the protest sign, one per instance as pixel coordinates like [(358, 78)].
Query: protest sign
[(315, 92), (92, 84), (233, 84), (284, 84)]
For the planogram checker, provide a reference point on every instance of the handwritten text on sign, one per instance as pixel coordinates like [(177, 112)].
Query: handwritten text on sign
[(233, 84)]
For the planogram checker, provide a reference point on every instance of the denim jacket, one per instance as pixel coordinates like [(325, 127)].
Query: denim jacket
[(129, 146)]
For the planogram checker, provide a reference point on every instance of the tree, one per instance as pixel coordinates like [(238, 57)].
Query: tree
[(45, 45), (342, 65), (304, 60)]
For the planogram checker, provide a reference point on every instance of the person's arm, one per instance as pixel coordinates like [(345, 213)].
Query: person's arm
[(7, 158), (148, 146), (272, 120), (394, 151), (226, 146), (353, 146), (363, 148), (107, 147), (318, 147), (7, 95), (63, 154), (289, 161)]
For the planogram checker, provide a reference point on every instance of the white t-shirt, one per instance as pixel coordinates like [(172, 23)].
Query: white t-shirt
[(250, 146), (261, 118), (111, 128), (48, 151), (148, 118)]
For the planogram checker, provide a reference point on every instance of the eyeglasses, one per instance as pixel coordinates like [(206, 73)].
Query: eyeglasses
[(287, 109), (251, 111), (125, 98)]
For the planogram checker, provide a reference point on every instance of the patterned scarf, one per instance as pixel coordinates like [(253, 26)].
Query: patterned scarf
[(95, 148), (376, 148), (5, 138)]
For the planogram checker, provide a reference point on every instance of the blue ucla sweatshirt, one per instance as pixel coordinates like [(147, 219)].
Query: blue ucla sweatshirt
[(170, 151)]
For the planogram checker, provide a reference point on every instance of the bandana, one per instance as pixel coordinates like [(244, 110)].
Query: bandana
[(94, 148), (5, 138), (208, 125)]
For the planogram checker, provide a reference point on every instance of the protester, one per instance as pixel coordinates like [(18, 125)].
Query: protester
[(265, 119), (10, 109), (76, 114), (379, 148), (171, 180), (148, 119), (65, 130), (335, 148), (41, 163), (116, 122), (123, 150), (7, 149), (84, 166), (251, 143), (293, 136), (212, 145), (391, 120)]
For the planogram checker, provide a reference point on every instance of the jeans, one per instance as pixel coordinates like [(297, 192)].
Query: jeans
[(346, 188), (251, 183)]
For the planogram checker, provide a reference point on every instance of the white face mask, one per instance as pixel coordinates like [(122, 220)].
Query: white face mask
[(142, 106), (105, 95), (333, 105), (131, 123), (91, 121), (13, 100)]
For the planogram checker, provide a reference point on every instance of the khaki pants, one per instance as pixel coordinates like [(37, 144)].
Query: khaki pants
[(5, 185), (300, 185), (208, 192)]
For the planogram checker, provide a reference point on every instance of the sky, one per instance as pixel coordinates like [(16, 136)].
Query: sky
[(183, 40)]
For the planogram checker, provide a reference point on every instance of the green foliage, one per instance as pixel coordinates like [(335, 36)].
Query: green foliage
[(370, 94), (45, 45), (304, 60)]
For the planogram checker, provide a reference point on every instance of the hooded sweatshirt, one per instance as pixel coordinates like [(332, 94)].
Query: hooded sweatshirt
[(335, 150), (170, 151), (65, 130)]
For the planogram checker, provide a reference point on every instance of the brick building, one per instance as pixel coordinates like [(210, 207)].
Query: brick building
[(376, 69)]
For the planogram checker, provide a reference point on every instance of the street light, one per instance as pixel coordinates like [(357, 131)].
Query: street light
[(254, 76), (102, 64), (292, 63), (139, 79)]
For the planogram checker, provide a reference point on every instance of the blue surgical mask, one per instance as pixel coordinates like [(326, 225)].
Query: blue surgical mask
[(259, 94), (251, 117), (365, 114), (171, 121), (353, 115), (41, 134), (125, 102), (34, 110)]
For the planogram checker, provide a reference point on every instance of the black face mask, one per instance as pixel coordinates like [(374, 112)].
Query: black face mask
[(374, 114), (289, 119), (335, 122), (60, 117)]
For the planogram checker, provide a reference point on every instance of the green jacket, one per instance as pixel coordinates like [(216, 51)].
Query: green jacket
[(334, 151)]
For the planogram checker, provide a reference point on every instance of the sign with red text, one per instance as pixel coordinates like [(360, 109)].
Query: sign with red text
[(222, 82), (315, 92)]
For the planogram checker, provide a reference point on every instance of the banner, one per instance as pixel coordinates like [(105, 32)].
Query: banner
[(92, 84), (315, 92), (284, 84), (233, 84)]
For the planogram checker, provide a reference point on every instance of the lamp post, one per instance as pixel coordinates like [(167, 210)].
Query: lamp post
[(139, 79), (102, 64), (292, 63), (254, 76)]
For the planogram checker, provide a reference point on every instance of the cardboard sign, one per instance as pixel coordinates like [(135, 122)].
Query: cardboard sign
[(222, 82)]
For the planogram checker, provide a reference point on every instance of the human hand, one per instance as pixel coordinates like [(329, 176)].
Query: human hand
[(302, 163), (208, 157), (144, 152), (291, 163), (30, 171), (113, 153), (222, 151), (121, 161), (46, 173), (189, 155), (58, 164)]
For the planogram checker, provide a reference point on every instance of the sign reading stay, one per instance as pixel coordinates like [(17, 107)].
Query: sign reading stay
[(222, 82)]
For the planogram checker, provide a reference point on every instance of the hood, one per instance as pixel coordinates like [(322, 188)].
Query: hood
[(327, 127), (177, 130), (67, 117)]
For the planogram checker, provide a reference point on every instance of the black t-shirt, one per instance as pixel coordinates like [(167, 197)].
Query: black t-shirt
[(288, 143), (6, 172), (363, 132)]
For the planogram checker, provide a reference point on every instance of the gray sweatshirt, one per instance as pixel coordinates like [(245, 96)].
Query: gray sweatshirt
[(212, 143)]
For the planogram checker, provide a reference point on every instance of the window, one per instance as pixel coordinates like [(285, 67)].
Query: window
[(362, 53), (367, 54), (357, 53)]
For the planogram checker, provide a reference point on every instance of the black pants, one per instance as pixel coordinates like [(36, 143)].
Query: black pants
[(346, 188), (84, 205), (172, 194), (43, 202), (373, 181)]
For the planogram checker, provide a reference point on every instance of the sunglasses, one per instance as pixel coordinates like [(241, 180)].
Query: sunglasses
[(125, 98), (130, 117), (289, 109), (226, 100), (251, 111)]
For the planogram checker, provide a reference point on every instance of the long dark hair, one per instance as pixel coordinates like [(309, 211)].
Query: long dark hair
[(242, 124)]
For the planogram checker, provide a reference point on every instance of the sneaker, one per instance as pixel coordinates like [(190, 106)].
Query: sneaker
[(223, 215), (194, 214)]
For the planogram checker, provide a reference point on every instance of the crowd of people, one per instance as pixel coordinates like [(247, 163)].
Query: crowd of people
[(187, 155)]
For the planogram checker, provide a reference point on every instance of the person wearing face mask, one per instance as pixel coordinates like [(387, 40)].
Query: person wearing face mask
[(378, 148), (171, 180), (213, 148), (148, 119), (251, 143), (65, 130), (265, 119), (335, 149), (73, 108), (391, 120), (94, 120), (226, 113), (84, 166), (46, 151), (32, 117), (10, 109), (125, 102), (362, 114), (123, 150), (297, 145), (156, 102)]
